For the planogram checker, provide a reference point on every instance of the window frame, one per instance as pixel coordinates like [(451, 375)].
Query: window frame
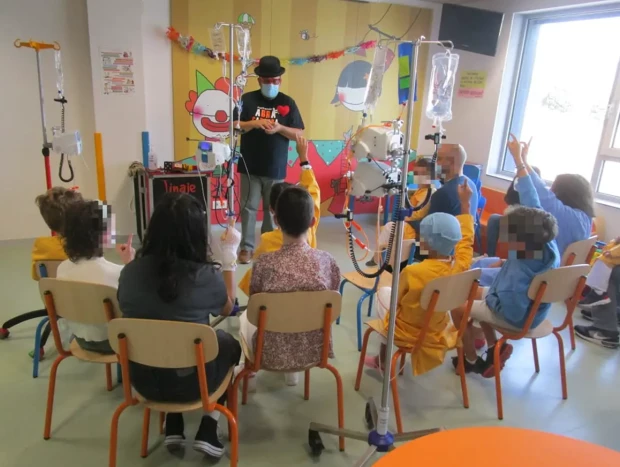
[(527, 30)]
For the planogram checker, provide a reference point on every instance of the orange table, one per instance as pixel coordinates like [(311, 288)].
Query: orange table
[(499, 446)]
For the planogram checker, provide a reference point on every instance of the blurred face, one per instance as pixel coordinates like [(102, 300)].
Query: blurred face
[(422, 176), (513, 233), (108, 236), (445, 162)]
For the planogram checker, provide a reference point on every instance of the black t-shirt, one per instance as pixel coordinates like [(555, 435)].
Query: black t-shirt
[(267, 155)]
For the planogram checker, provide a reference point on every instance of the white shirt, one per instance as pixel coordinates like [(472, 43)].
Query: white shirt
[(95, 271)]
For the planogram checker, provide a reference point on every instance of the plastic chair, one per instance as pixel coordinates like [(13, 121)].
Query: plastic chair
[(473, 172), (580, 252), (563, 284), (168, 344), (83, 303), (369, 287), (439, 296), (45, 269), (292, 312)]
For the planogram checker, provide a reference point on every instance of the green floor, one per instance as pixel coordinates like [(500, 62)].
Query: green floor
[(274, 424)]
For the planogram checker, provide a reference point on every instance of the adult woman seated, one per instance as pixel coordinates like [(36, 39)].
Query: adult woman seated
[(570, 200), (174, 278)]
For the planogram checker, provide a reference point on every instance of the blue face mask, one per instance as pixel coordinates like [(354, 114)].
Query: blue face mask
[(270, 91)]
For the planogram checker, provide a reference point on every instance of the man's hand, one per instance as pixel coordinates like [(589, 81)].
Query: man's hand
[(275, 128), (302, 147), (262, 124), (516, 149), (465, 193), (126, 252)]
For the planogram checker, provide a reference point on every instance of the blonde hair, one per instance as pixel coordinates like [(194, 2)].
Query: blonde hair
[(53, 205)]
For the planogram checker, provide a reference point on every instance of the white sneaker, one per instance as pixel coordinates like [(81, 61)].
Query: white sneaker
[(291, 379), (251, 378)]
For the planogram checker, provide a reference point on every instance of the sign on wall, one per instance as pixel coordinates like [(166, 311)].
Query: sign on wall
[(472, 84), (118, 74)]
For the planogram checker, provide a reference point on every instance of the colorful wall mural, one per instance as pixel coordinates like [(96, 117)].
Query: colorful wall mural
[(329, 94)]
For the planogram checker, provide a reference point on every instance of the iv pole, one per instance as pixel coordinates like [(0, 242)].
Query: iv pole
[(380, 439)]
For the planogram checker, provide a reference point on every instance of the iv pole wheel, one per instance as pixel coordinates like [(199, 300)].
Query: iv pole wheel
[(315, 442)]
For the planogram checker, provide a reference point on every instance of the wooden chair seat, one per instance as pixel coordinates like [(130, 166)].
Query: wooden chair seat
[(365, 283), (544, 329), (179, 407), (88, 356)]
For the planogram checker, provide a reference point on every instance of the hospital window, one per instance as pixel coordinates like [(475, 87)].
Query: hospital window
[(567, 96)]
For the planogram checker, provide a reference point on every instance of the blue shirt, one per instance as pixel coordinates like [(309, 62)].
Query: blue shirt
[(446, 199), (573, 224), (507, 295)]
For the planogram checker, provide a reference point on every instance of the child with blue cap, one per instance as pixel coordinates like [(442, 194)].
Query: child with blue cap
[(447, 242)]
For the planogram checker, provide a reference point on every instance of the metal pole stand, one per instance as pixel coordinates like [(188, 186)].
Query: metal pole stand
[(379, 438)]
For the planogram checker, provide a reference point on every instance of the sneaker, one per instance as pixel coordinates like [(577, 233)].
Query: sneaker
[(594, 299), (371, 264), (291, 379), (175, 439), (586, 290), (476, 367), (488, 371), (480, 343), (251, 378), (587, 315), (607, 339), (245, 257), (206, 440)]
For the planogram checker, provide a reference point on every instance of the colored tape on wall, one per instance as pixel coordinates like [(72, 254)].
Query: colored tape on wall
[(405, 55)]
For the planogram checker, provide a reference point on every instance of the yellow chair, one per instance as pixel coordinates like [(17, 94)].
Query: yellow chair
[(292, 312), (168, 344), (439, 296), (83, 303)]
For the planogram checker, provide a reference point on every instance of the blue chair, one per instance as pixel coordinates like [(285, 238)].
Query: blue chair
[(369, 287), (474, 173)]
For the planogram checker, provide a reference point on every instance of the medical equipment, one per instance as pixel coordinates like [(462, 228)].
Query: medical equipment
[(209, 155), (380, 148), (443, 79), (375, 83)]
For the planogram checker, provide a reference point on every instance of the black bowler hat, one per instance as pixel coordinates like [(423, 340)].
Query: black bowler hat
[(269, 67)]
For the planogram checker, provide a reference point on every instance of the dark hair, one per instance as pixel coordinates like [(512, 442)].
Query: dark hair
[(575, 192), (53, 205), (177, 235), (276, 190), (294, 211), (85, 226), (531, 226), (512, 196)]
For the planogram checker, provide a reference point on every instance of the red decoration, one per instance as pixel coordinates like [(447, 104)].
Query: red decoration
[(283, 110)]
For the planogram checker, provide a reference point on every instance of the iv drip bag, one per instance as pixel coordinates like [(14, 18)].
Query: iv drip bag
[(60, 80), (443, 80), (375, 82)]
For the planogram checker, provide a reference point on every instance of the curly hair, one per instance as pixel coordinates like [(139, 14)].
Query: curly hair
[(574, 191), (53, 205), (532, 227), (85, 226), (177, 236)]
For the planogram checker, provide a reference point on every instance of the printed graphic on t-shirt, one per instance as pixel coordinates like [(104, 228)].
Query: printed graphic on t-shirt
[(264, 113)]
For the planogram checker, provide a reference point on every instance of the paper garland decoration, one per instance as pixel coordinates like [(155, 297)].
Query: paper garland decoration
[(191, 45)]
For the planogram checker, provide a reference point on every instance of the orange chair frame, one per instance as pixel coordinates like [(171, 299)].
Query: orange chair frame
[(207, 406), (254, 367), (507, 335), (63, 354), (402, 352), (569, 319)]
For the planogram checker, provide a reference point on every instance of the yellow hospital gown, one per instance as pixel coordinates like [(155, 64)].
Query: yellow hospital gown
[(46, 249), (441, 335), (272, 241), (416, 199)]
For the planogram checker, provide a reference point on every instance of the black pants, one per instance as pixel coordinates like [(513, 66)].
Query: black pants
[(171, 385)]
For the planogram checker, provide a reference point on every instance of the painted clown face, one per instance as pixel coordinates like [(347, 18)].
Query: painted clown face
[(351, 87), (210, 108)]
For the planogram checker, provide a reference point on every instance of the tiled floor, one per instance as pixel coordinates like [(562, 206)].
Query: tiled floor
[(274, 424)]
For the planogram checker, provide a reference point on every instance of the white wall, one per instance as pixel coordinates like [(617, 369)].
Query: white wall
[(22, 176), (478, 124)]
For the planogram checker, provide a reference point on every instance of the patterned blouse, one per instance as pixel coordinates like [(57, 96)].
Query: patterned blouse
[(294, 268)]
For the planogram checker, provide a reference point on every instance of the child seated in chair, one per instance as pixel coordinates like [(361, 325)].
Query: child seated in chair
[(272, 241), (296, 267), (423, 178), (447, 243), (530, 236), (88, 228)]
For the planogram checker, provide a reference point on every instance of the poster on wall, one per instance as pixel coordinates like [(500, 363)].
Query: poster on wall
[(118, 74), (472, 84)]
